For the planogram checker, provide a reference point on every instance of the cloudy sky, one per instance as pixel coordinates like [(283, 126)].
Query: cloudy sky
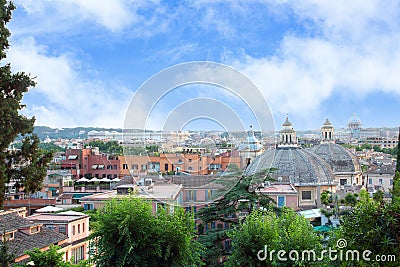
[(310, 59)]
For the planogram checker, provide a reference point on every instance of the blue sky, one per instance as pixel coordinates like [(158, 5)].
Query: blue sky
[(310, 59)]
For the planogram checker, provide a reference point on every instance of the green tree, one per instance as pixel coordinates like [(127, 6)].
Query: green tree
[(372, 226), (262, 232), (111, 147), (129, 234), (26, 165), (378, 196), (50, 257), (50, 147), (396, 180), (350, 199), (326, 197), (242, 197), (6, 256)]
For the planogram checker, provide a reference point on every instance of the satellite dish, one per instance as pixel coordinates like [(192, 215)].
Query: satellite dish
[(279, 179)]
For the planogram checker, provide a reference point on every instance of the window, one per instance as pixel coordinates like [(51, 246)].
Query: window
[(115, 176), (79, 228), (62, 229), (9, 236), (191, 195), (190, 160), (88, 207), (35, 229), (125, 166), (190, 168), (78, 254), (104, 175), (101, 167), (282, 201), (94, 167), (109, 167), (370, 181), (72, 157), (166, 167), (380, 181), (116, 167), (135, 167), (343, 181), (391, 181), (214, 166), (73, 230), (50, 226), (83, 227), (306, 195), (208, 194), (144, 167)]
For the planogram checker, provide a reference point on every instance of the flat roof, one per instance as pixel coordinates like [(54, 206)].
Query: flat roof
[(277, 188), (159, 191), (58, 217)]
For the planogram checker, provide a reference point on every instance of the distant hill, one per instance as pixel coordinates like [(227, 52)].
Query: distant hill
[(67, 133)]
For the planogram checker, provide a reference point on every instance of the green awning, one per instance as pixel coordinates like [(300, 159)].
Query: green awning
[(322, 228), (79, 195)]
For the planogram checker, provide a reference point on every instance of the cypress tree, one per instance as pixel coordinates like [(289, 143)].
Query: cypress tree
[(26, 166), (396, 180)]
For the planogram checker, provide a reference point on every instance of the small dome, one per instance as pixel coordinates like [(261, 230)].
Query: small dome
[(287, 122), (339, 158), (294, 165), (251, 143), (327, 124), (354, 122)]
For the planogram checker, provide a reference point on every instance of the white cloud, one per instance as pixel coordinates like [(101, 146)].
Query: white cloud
[(71, 98), (66, 15), (352, 49)]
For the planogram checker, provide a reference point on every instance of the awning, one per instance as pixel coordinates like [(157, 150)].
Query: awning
[(322, 228), (72, 157)]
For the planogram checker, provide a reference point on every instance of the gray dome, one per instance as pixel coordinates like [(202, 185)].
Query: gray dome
[(294, 165), (339, 158)]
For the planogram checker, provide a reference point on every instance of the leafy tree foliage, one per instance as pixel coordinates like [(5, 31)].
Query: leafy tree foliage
[(242, 197), (111, 147), (50, 257), (396, 180), (50, 147), (372, 225), (350, 199), (267, 231), (27, 165), (129, 234)]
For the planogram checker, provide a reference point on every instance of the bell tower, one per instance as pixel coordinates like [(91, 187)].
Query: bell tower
[(327, 132), (287, 136)]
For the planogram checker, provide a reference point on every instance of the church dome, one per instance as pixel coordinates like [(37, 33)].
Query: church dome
[(339, 158), (251, 143), (354, 122), (295, 165)]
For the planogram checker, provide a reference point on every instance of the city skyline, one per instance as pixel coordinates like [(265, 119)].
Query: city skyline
[(310, 60)]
